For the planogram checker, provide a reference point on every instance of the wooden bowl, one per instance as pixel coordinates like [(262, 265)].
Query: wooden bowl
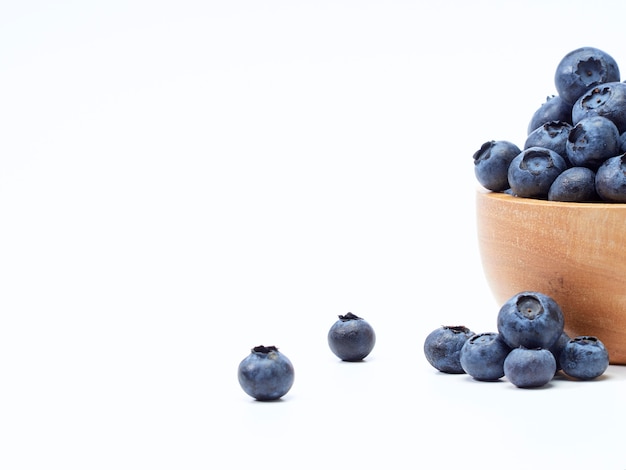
[(573, 252)]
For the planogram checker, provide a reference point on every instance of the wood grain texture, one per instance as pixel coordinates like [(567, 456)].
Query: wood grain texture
[(574, 252)]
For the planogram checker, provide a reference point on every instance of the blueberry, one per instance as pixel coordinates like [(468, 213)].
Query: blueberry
[(607, 100), (622, 142), (584, 358), (557, 347), (351, 338), (442, 348), (266, 374), (576, 184), (482, 356), (581, 70), (529, 368), (550, 135), (530, 319), (553, 109), (491, 164), (611, 179), (591, 141), (533, 171)]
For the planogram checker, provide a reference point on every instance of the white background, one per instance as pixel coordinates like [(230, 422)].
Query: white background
[(183, 180)]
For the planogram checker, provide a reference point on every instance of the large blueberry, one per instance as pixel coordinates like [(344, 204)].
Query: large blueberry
[(528, 368), (607, 100), (442, 348), (483, 355), (553, 109), (266, 373), (591, 141), (491, 164), (584, 358), (351, 338), (576, 184), (581, 70), (611, 179), (550, 135), (533, 171), (530, 319)]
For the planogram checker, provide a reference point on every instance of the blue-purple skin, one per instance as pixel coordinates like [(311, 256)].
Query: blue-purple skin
[(622, 142), (611, 179), (529, 368), (442, 348), (266, 374), (576, 184), (557, 348), (530, 319), (552, 135), (483, 355), (582, 69), (491, 164), (607, 100), (351, 338), (591, 141), (533, 171), (553, 109), (584, 358)]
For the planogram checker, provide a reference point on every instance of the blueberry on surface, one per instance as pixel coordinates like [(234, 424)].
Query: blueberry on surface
[(530, 319), (584, 358), (576, 184), (351, 338), (582, 69), (529, 368), (551, 135), (491, 164), (266, 374), (611, 179), (557, 348), (533, 171), (607, 100), (553, 109), (483, 355), (591, 141), (442, 348)]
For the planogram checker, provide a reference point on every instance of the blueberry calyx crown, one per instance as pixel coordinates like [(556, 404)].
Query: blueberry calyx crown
[(349, 316), (458, 329), (264, 349)]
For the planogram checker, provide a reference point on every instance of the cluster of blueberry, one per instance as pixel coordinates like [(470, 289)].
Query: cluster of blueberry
[(267, 374), (529, 348), (575, 150)]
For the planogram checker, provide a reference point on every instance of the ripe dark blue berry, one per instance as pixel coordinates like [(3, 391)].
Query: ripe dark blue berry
[(607, 100), (530, 319), (529, 368), (576, 184), (591, 141), (551, 135), (266, 374), (491, 164), (533, 171), (483, 355), (581, 70), (442, 348), (351, 338), (611, 179), (584, 358), (553, 109)]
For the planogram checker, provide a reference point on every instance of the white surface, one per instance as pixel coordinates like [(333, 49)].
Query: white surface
[(182, 181)]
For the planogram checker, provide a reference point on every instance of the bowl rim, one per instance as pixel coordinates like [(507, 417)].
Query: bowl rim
[(512, 199)]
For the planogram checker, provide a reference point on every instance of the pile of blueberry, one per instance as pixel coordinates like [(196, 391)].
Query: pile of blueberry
[(267, 374), (529, 348), (575, 150)]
